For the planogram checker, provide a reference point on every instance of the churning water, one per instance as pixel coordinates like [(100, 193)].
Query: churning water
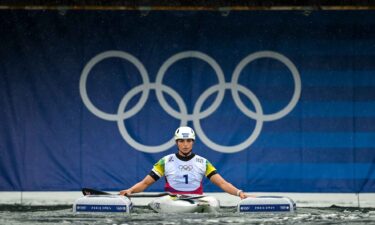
[(20, 214)]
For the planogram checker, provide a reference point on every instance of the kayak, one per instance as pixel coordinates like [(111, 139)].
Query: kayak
[(164, 204), (185, 204)]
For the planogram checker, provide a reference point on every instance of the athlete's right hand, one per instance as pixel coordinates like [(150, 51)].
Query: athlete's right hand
[(125, 192)]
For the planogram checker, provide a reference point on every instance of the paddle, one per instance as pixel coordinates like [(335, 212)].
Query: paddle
[(90, 191)]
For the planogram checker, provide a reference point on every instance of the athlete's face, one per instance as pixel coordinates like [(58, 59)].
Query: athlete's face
[(185, 146)]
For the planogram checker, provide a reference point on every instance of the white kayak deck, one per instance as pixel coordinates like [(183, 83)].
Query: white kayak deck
[(302, 199)]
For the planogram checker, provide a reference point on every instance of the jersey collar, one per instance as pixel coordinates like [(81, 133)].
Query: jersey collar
[(183, 158)]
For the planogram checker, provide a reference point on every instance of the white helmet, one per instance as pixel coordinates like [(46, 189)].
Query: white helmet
[(184, 133)]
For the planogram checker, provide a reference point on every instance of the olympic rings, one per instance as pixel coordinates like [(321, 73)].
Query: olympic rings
[(185, 167), (197, 115)]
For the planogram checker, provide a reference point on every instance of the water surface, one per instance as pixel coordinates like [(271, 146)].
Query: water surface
[(46, 215)]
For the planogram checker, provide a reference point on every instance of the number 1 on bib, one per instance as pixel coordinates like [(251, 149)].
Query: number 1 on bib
[(186, 178)]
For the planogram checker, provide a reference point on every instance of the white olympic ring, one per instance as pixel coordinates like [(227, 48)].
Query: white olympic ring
[(183, 115), (185, 167)]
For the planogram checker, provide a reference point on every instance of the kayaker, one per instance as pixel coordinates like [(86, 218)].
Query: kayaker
[(184, 170)]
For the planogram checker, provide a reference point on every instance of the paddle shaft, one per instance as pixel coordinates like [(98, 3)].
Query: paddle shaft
[(89, 191)]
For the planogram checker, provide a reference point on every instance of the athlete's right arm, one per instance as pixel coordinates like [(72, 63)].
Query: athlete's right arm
[(156, 172), (140, 186)]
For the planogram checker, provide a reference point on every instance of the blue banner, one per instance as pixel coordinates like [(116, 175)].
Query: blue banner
[(281, 101)]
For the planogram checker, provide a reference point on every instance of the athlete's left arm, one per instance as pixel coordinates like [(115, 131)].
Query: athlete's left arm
[(226, 186)]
